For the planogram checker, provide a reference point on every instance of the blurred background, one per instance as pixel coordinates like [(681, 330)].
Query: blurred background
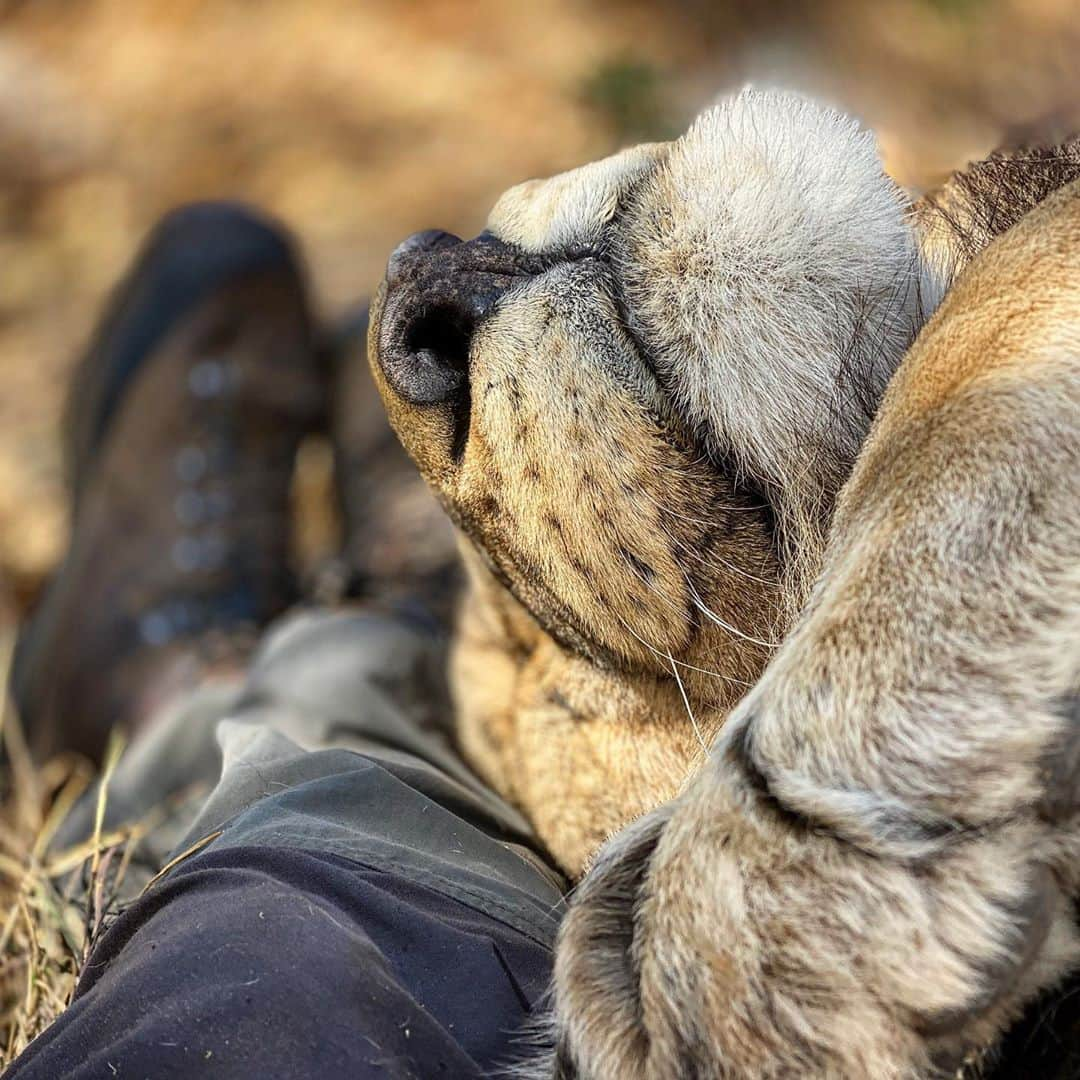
[(358, 121)]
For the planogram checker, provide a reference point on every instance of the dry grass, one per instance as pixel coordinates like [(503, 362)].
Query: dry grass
[(56, 901), (53, 903)]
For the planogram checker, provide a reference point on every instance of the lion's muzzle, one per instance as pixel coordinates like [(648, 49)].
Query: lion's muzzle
[(438, 289)]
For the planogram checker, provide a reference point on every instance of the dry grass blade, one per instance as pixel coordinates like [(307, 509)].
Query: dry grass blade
[(52, 904)]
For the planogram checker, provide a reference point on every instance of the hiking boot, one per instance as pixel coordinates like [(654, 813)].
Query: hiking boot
[(180, 437), (399, 548)]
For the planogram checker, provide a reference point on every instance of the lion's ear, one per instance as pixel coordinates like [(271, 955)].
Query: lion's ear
[(570, 211), (773, 271)]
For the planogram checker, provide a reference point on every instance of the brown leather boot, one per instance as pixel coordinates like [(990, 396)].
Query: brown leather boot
[(398, 546), (182, 428)]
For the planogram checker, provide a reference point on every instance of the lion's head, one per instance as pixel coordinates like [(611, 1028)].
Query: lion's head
[(639, 390), (638, 393)]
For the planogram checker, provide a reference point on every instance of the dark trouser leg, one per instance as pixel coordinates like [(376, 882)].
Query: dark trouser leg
[(359, 907)]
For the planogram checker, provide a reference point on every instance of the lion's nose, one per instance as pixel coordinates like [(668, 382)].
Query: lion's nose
[(419, 243), (438, 289)]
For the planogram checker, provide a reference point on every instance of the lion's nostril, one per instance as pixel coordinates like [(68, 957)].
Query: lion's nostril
[(444, 334), (431, 365), (439, 291), (430, 332)]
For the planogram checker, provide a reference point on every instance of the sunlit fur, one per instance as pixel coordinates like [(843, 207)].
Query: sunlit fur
[(877, 866), (871, 867), (659, 425)]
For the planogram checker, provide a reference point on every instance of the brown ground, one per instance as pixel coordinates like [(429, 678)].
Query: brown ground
[(358, 121)]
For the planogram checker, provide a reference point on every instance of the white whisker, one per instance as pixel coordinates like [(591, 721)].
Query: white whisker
[(695, 520), (684, 546), (706, 611), (675, 665), (686, 702), (682, 663)]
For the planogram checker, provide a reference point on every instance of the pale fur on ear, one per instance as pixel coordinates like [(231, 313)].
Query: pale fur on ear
[(772, 272), (571, 210)]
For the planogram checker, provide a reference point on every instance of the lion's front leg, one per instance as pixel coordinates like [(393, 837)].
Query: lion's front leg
[(724, 937), (875, 869)]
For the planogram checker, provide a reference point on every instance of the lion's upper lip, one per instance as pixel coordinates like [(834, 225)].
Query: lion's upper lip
[(438, 288)]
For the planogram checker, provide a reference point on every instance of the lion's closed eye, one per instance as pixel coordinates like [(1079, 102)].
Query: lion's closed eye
[(638, 393), (806, 611)]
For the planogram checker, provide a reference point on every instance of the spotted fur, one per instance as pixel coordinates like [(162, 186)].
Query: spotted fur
[(808, 613)]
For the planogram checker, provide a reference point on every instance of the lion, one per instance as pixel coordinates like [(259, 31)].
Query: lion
[(768, 484)]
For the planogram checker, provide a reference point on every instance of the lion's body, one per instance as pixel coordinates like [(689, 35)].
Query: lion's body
[(839, 662)]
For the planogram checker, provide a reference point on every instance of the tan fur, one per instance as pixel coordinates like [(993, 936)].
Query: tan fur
[(876, 868), (871, 868), (600, 498)]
